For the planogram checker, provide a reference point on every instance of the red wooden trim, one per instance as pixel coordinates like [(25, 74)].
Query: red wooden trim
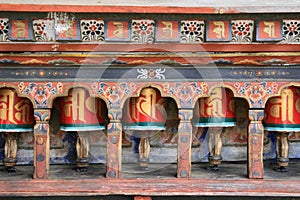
[(150, 187), (144, 9), (167, 47), (142, 198), (108, 9)]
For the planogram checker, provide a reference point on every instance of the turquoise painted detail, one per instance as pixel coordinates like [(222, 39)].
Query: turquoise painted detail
[(282, 127), (215, 122), (15, 128), (145, 126), (82, 127)]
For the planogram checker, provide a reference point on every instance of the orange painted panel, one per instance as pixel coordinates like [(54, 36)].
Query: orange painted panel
[(117, 30), (218, 30), (268, 30), (167, 31)]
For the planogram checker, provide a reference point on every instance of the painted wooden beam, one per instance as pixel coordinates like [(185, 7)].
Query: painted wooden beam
[(150, 8), (165, 47), (150, 187)]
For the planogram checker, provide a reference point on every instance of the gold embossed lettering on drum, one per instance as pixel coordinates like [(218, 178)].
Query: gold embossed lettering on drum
[(217, 110), (146, 112), (282, 115), (283, 112), (80, 112), (16, 113), (145, 116)]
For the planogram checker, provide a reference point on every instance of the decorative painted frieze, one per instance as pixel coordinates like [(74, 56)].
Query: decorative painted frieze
[(191, 31), (40, 92), (142, 31), (4, 29), (242, 30), (66, 27), (291, 31), (92, 30), (151, 73), (218, 30), (44, 30), (187, 93), (256, 92), (268, 30)]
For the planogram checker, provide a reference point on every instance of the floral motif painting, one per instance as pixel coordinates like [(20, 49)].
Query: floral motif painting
[(192, 31), (4, 26), (291, 31), (242, 30), (92, 30), (151, 73), (142, 31), (44, 30)]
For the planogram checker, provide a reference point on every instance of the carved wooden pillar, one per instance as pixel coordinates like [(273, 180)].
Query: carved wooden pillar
[(114, 144), (255, 143), (41, 143), (184, 142)]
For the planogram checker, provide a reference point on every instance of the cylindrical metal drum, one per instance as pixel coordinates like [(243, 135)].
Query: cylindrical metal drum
[(282, 113), (146, 112), (80, 112), (16, 113), (217, 110)]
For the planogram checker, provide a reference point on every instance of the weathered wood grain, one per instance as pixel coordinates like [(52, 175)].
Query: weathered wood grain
[(152, 187)]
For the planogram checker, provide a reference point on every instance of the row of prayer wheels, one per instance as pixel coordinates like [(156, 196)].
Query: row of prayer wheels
[(144, 116)]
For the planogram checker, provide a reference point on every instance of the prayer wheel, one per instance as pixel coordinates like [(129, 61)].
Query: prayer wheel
[(81, 113), (282, 115), (216, 112), (146, 112), (145, 116), (283, 112), (16, 115)]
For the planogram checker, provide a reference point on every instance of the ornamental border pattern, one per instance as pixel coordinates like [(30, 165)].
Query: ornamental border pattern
[(147, 30), (116, 93)]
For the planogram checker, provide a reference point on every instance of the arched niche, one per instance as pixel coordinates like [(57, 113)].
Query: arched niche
[(155, 118), (281, 124), (16, 125), (224, 116), (78, 129)]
